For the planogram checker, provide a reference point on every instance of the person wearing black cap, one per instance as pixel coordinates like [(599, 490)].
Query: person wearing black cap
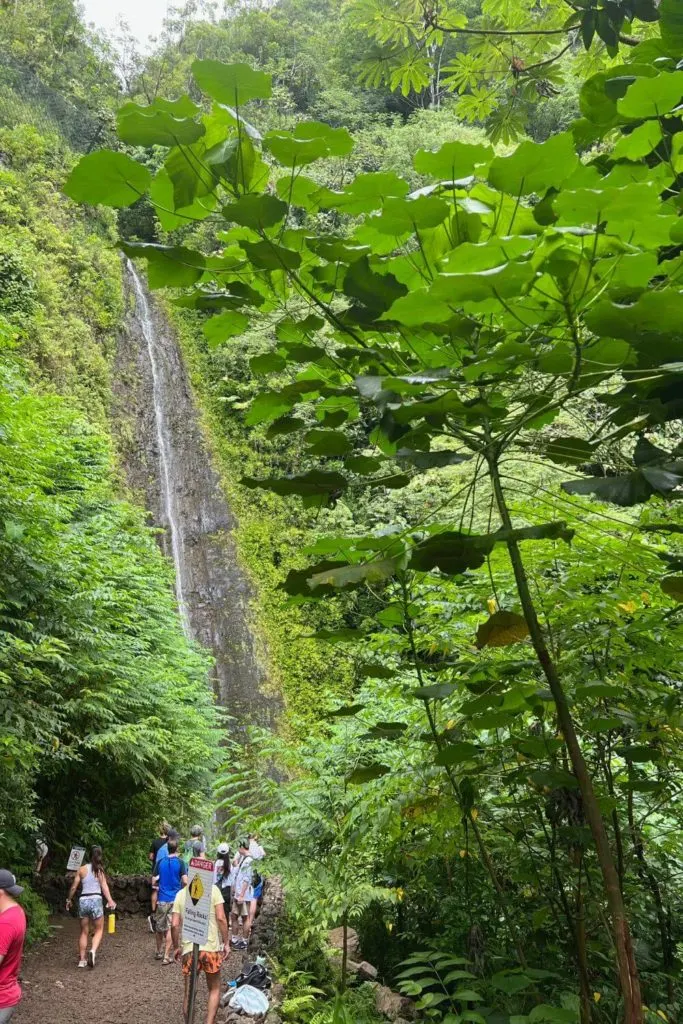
[(12, 934)]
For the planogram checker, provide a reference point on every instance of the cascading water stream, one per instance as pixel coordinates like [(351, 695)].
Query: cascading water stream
[(165, 450), (169, 468)]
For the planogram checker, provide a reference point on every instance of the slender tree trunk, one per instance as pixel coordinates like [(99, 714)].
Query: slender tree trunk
[(628, 972), (345, 952), (582, 951)]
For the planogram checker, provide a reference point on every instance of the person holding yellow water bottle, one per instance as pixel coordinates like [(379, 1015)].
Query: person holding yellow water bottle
[(94, 890)]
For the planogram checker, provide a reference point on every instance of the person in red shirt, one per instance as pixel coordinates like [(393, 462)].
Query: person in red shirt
[(12, 934)]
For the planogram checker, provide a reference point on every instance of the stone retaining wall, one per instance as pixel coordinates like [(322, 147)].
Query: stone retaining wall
[(131, 893)]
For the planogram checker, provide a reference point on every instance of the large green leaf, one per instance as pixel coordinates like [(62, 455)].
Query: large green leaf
[(456, 753), (271, 256), (367, 773), (535, 167), (454, 160), (234, 84), (315, 482), (159, 124), (451, 552), (671, 26), (367, 193), (377, 292), (225, 325), (401, 216), (168, 266), (256, 211), (501, 629), (506, 281), (162, 196), (652, 97), (108, 179)]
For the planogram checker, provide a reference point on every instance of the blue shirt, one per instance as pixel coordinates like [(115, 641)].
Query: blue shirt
[(171, 871)]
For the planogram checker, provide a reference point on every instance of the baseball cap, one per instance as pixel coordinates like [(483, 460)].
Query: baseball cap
[(223, 848), (9, 883)]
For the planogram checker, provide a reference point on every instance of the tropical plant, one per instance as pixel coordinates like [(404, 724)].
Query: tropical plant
[(520, 307)]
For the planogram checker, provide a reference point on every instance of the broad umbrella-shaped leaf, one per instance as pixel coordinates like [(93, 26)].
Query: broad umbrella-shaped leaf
[(432, 460), (502, 629), (271, 256), (224, 326), (256, 211), (629, 489), (400, 216), (507, 281), (157, 125), (354, 575), (168, 266), (328, 442), (162, 196), (453, 160), (232, 84), (315, 482), (652, 97), (451, 552), (671, 26), (456, 753), (346, 711), (377, 292), (435, 691), (108, 179), (569, 450), (366, 193), (367, 773), (641, 141), (337, 140), (535, 167), (190, 180)]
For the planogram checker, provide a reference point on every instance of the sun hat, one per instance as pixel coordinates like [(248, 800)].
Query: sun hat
[(223, 848)]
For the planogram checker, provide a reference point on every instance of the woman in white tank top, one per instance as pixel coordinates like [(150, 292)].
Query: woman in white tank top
[(94, 890)]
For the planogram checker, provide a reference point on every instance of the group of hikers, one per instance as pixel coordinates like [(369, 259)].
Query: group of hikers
[(235, 894)]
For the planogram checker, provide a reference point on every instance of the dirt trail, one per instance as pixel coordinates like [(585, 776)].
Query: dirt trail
[(128, 986)]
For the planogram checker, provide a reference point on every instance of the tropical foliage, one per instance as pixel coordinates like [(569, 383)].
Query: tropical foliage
[(517, 309)]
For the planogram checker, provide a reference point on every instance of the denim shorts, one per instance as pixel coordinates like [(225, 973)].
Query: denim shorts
[(7, 1013), (91, 906)]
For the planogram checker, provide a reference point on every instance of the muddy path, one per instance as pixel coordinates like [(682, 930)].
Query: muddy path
[(128, 986)]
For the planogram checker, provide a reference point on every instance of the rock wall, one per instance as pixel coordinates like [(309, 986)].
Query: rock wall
[(168, 467), (131, 893)]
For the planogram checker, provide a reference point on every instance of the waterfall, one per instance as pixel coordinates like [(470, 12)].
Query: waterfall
[(169, 468), (165, 450)]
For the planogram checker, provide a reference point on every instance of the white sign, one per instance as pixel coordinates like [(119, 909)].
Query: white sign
[(75, 858), (198, 901)]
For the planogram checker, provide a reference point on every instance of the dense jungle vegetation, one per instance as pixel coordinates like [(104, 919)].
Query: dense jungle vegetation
[(425, 262)]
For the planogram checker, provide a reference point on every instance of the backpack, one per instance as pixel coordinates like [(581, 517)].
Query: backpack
[(256, 879), (255, 975)]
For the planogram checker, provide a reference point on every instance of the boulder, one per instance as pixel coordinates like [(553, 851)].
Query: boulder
[(364, 970), (336, 940), (393, 1005)]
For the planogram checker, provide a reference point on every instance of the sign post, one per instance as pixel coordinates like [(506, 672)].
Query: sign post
[(196, 920), (75, 858)]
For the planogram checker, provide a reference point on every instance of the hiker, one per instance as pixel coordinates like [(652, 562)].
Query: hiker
[(223, 875), (195, 842), (94, 889), (256, 852), (256, 896), (242, 895), (12, 935), (211, 955), (42, 851), (157, 844), (171, 877)]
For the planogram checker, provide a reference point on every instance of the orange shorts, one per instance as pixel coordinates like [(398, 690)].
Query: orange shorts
[(210, 963)]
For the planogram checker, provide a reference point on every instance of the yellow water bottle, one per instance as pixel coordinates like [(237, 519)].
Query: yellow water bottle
[(111, 924)]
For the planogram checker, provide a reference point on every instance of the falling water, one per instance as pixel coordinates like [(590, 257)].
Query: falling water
[(165, 451), (169, 467)]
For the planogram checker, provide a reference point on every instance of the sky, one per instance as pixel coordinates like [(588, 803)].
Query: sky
[(143, 16)]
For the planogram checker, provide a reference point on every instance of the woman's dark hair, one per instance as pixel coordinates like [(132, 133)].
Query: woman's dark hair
[(96, 860)]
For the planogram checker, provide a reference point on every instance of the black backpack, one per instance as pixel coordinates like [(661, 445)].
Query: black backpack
[(255, 975)]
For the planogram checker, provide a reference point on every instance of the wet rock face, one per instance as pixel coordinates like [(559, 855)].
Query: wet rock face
[(168, 467)]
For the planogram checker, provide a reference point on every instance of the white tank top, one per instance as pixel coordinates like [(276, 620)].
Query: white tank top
[(91, 883)]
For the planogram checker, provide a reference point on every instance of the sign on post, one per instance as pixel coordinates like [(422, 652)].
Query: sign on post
[(75, 858), (198, 901)]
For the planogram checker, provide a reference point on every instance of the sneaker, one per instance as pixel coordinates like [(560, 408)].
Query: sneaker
[(91, 959), (233, 941), (82, 963), (242, 944), (150, 922)]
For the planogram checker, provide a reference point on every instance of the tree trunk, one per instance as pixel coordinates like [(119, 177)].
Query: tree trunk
[(628, 972)]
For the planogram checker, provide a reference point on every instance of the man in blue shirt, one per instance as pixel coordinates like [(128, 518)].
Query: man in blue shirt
[(171, 877)]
